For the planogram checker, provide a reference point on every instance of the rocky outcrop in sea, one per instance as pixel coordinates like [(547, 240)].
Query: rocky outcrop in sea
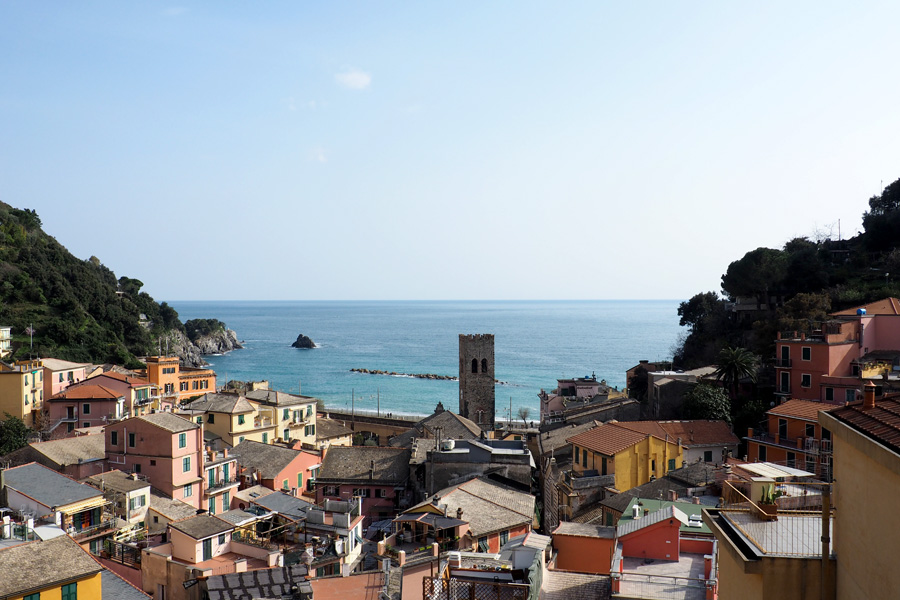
[(192, 353), (303, 342)]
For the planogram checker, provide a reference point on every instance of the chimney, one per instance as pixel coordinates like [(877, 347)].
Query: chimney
[(459, 514), (673, 495), (372, 470), (868, 396), (750, 432), (695, 500)]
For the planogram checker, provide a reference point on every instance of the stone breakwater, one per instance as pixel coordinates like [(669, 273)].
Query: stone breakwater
[(414, 375)]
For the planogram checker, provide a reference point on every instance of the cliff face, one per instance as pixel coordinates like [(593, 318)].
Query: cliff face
[(191, 353)]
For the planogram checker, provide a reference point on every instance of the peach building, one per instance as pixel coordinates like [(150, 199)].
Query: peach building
[(163, 447), (60, 374), (793, 437), (177, 383), (584, 548), (22, 390), (82, 406), (141, 396)]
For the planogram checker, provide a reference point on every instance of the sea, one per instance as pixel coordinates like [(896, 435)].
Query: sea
[(535, 343)]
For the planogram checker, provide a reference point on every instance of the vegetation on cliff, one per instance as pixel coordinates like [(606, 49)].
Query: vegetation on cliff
[(77, 309)]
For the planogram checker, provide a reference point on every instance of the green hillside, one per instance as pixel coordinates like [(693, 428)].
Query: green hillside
[(77, 308)]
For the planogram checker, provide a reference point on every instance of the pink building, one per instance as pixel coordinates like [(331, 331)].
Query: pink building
[(830, 363), (165, 448), (276, 467), (60, 374), (82, 406), (578, 390), (220, 480)]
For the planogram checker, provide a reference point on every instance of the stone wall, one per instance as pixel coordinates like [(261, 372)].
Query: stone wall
[(476, 379)]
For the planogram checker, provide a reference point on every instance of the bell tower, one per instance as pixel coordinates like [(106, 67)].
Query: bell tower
[(476, 379)]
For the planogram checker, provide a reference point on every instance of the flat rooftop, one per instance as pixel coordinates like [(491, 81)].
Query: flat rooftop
[(664, 579)]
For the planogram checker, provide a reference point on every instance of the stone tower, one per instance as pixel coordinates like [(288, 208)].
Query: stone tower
[(476, 379)]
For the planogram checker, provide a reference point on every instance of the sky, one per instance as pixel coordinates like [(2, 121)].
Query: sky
[(464, 150)]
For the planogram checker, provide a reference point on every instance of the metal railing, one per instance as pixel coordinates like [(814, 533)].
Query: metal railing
[(221, 483), (783, 363), (640, 585), (453, 589), (94, 529)]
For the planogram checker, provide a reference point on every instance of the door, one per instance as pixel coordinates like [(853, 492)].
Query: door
[(207, 549), (785, 383), (785, 356)]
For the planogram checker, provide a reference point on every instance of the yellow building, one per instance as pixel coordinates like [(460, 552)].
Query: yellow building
[(22, 390), (176, 383), (232, 417), (623, 450), (56, 569), (866, 437), (294, 416)]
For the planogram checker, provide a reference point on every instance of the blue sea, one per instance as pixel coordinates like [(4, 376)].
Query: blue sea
[(535, 343)]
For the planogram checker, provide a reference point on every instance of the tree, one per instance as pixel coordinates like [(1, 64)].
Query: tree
[(707, 401), (523, 413), (803, 311), (757, 274), (13, 434), (696, 310), (736, 364)]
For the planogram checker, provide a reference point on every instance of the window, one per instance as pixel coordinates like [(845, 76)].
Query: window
[(782, 429), (265, 438), (36, 596), (361, 492), (287, 434), (603, 465), (182, 440), (114, 438), (204, 385), (671, 464), (810, 430), (168, 388), (183, 386), (131, 440), (285, 485), (806, 380), (210, 418), (653, 465), (240, 439), (504, 537), (806, 353), (484, 365), (221, 538), (330, 490), (299, 481), (309, 430), (155, 519), (829, 394), (381, 493), (576, 454), (707, 456), (195, 385), (212, 505), (70, 591), (285, 414), (199, 420), (136, 467), (60, 377), (86, 408), (152, 463), (849, 395), (186, 464), (85, 424), (309, 410), (826, 435), (762, 454), (226, 500), (188, 490), (474, 367), (584, 458), (483, 544), (240, 419), (26, 380), (791, 459)]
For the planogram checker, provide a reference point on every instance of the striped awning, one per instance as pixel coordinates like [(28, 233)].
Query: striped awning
[(77, 507)]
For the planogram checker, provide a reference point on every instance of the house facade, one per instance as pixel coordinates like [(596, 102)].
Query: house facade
[(793, 437), (165, 448), (177, 383), (22, 391), (60, 374)]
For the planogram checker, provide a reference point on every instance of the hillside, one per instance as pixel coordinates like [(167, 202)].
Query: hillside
[(78, 309)]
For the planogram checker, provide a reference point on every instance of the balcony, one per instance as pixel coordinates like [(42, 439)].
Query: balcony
[(222, 483), (783, 390), (783, 363), (94, 530)]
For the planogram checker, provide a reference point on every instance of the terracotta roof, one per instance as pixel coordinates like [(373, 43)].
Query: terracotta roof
[(354, 464), (169, 422), (220, 403), (268, 459), (648, 427), (86, 392), (557, 439), (130, 380), (453, 426), (69, 451), (276, 398), (800, 409), (202, 526), (885, 306), (881, 423), (607, 439), (700, 433), (585, 530), (329, 428), (669, 512), (57, 364)]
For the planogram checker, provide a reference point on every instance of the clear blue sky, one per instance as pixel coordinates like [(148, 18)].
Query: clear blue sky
[(338, 150)]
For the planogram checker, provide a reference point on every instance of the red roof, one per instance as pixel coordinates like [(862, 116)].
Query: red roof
[(129, 379), (608, 439), (881, 423), (86, 392), (700, 433), (800, 409), (885, 306)]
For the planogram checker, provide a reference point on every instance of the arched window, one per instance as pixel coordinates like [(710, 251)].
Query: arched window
[(484, 365), (474, 365)]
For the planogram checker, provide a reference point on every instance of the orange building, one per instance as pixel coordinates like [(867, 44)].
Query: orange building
[(793, 437), (583, 547), (176, 383)]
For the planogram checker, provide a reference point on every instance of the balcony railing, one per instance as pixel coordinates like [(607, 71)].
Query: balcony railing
[(783, 363), (94, 529), (783, 389), (223, 483)]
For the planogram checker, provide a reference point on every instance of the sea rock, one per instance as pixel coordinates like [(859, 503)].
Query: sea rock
[(191, 353), (303, 342)]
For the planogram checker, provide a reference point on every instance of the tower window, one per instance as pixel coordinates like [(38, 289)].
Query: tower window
[(484, 365), (474, 365)]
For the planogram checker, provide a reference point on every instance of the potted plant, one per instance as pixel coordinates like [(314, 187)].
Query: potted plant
[(767, 504)]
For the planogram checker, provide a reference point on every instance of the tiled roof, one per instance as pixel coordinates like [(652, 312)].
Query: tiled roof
[(117, 480), (129, 379), (284, 504), (47, 486), (562, 585), (700, 433), (170, 508), (881, 423), (558, 438), (86, 392), (648, 427), (800, 409), (329, 428), (202, 526), (654, 506), (27, 568), (653, 489), (607, 439), (268, 459), (487, 506), (169, 421), (261, 583), (453, 426), (885, 306), (585, 530), (70, 451), (57, 364), (667, 512), (221, 403), (354, 463), (114, 586), (278, 398)]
